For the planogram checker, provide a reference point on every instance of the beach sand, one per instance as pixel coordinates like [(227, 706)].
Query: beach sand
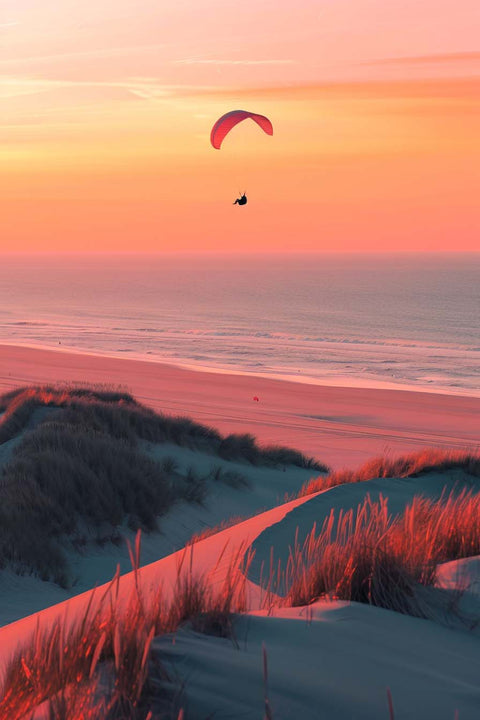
[(341, 426), (361, 650)]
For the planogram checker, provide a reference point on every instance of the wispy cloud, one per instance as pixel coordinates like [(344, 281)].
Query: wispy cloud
[(8, 24), (459, 57), (204, 61), (90, 53), (142, 87), (466, 88)]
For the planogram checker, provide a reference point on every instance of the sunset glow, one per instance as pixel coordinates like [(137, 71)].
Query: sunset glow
[(107, 109)]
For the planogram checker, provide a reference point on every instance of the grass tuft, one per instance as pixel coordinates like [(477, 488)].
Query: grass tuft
[(244, 447), (369, 557), (411, 465), (99, 668)]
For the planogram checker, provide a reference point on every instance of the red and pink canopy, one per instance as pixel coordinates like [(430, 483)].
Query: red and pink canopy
[(224, 124)]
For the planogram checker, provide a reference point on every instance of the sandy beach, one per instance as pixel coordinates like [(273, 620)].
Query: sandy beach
[(342, 426)]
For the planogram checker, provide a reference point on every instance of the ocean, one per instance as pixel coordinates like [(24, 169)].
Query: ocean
[(360, 320)]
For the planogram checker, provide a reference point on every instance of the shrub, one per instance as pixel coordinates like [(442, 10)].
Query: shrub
[(194, 488), (82, 464), (232, 478), (118, 414), (244, 447)]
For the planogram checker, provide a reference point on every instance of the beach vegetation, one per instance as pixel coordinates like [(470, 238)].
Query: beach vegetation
[(244, 447), (81, 472), (119, 415), (232, 478), (104, 665), (371, 557), (410, 465)]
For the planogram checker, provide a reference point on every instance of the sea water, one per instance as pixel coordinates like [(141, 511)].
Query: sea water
[(374, 320)]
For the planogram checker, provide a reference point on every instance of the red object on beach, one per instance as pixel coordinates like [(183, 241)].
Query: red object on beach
[(256, 399)]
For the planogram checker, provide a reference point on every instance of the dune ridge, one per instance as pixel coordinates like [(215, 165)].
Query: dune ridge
[(346, 548)]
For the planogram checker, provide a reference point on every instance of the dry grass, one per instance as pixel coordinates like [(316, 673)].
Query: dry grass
[(99, 667), (429, 460), (370, 557), (118, 414), (103, 667), (53, 661), (81, 468)]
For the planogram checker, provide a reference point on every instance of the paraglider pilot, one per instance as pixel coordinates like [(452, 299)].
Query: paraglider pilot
[(242, 200)]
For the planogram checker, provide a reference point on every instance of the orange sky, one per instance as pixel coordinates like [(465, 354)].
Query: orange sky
[(107, 108)]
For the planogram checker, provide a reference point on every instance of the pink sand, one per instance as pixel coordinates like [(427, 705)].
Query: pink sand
[(341, 426)]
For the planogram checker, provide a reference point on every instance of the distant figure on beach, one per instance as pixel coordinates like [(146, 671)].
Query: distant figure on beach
[(242, 200)]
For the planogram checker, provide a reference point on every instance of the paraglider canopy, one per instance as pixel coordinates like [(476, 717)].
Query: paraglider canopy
[(224, 124)]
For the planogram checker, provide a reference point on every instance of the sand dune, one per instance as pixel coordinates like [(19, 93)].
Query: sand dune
[(213, 552), (330, 659), (335, 662)]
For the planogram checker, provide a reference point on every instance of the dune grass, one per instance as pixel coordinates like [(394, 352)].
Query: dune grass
[(104, 666), (61, 478), (367, 556), (410, 465), (83, 465), (100, 667), (119, 415)]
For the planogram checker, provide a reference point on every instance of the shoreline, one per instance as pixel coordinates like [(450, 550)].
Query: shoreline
[(341, 426), (328, 380)]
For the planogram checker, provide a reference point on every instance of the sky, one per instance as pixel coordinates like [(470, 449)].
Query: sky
[(107, 107)]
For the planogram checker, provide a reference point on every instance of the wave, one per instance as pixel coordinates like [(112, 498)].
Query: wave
[(245, 334)]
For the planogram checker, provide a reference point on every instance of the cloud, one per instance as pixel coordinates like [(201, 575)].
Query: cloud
[(363, 88), (203, 61), (89, 53), (458, 57), (142, 87)]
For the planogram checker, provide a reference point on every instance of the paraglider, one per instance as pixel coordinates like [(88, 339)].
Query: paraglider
[(224, 124), (228, 121), (242, 200)]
